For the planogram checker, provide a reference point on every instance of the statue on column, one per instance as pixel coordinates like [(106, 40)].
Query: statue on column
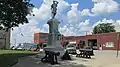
[(54, 12), (54, 8), (54, 48)]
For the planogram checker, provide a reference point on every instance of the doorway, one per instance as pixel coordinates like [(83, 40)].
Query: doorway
[(93, 43)]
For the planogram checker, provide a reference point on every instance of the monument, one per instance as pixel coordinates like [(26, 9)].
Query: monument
[(54, 50), (54, 34)]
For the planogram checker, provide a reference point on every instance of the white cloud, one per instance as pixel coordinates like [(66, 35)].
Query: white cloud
[(101, 7), (46, 26), (85, 23), (75, 26), (76, 30), (74, 6), (25, 33), (116, 23), (105, 7), (67, 31), (84, 26), (44, 12), (86, 12), (74, 15), (117, 26), (41, 14)]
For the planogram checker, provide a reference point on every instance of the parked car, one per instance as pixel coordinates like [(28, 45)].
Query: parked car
[(88, 47), (71, 48), (95, 47)]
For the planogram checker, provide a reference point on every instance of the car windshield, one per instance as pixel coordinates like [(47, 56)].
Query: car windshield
[(71, 45)]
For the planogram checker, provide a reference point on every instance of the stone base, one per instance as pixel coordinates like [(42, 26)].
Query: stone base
[(56, 49)]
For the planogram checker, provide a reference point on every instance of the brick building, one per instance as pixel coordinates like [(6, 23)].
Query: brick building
[(108, 41), (40, 38)]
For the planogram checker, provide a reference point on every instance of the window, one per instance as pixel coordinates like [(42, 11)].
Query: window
[(109, 44)]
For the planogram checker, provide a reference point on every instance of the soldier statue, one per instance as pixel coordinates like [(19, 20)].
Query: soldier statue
[(54, 8)]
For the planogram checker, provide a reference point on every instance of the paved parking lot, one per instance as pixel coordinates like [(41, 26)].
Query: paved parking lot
[(101, 59)]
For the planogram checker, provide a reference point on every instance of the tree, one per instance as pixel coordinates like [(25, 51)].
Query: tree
[(14, 12), (104, 28)]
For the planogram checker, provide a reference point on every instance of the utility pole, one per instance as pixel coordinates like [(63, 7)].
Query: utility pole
[(118, 38)]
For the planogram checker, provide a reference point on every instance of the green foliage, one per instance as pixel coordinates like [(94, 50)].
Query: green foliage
[(104, 28), (14, 12)]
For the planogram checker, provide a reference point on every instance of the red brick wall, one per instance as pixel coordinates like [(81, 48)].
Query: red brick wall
[(105, 37), (108, 38), (36, 38), (101, 39)]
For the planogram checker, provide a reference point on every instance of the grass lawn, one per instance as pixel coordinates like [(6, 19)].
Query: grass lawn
[(10, 57)]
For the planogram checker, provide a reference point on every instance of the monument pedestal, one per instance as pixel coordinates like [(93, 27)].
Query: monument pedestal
[(56, 49), (54, 44)]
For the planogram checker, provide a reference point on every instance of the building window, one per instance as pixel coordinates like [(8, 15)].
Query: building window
[(109, 44)]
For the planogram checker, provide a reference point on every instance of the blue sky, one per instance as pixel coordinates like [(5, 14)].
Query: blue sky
[(76, 16), (83, 4)]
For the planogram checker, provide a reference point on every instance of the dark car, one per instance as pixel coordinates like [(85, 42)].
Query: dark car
[(90, 49)]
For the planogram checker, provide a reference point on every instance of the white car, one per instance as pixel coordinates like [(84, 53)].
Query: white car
[(71, 48)]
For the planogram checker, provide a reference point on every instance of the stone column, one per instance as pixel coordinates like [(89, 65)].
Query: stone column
[(53, 32)]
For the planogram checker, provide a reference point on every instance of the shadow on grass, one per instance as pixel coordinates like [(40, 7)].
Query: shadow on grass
[(7, 60)]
